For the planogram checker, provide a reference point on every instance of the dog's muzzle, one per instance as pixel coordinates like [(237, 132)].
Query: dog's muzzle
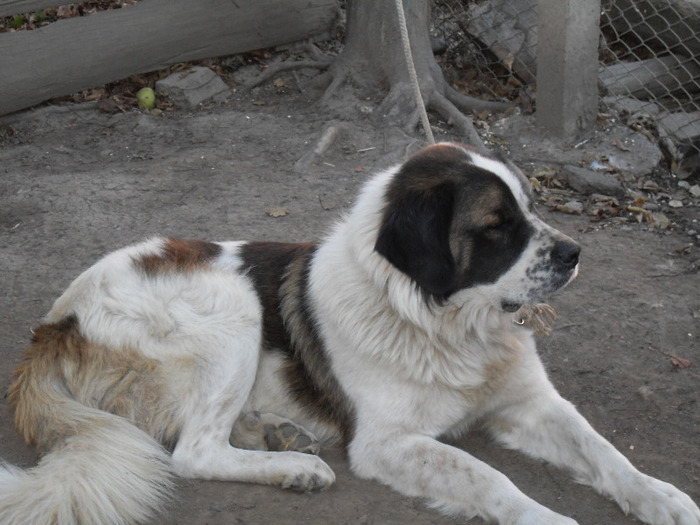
[(557, 272)]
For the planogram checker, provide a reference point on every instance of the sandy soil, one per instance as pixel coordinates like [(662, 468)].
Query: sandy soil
[(76, 183)]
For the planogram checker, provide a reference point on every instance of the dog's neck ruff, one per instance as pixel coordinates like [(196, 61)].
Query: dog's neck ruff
[(446, 344)]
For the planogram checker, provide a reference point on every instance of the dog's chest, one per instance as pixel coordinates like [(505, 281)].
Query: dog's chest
[(435, 390)]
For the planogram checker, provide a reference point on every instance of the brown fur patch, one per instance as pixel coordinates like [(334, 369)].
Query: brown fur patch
[(62, 372), (179, 255), (280, 275), (265, 263)]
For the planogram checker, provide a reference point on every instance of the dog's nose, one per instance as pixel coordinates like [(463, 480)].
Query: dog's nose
[(566, 253)]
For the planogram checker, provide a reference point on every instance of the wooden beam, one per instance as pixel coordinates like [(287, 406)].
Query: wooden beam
[(16, 7), (654, 77), (78, 53)]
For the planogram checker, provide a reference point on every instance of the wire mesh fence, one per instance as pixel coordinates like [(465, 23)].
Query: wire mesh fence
[(649, 58)]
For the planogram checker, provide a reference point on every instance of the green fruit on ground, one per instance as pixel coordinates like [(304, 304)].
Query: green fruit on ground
[(146, 98)]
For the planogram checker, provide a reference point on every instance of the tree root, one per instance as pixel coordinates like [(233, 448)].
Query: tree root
[(399, 106), (318, 60), (446, 102)]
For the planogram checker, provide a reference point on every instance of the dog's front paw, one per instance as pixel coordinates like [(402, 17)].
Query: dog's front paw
[(308, 474), (659, 503)]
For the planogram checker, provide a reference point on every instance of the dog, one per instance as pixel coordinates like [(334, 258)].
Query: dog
[(234, 360)]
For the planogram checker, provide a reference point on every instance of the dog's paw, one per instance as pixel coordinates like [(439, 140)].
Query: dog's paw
[(308, 474), (274, 433), (659, 503), (289, 436)]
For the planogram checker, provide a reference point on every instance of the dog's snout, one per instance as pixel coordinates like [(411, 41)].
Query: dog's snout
[(566, 253)]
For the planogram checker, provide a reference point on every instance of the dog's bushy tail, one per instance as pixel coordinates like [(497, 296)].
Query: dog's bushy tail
[(100, 469), (108, 472)]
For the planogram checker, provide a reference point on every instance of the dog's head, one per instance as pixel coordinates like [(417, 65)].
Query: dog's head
[(457, 219)]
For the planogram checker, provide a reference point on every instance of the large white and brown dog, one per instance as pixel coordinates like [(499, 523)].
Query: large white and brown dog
[(230, 360)]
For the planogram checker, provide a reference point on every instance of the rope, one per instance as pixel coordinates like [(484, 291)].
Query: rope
[(413, 77)]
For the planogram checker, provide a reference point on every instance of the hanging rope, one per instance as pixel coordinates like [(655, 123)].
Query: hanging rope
[(413, 76)]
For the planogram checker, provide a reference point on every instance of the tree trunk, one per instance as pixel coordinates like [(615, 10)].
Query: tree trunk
[(373, 57)]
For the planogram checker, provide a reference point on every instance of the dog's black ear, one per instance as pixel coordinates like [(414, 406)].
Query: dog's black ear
[(414, 237)]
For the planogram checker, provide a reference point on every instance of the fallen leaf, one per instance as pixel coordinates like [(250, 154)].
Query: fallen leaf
[(619, 145), (679, 362), (602, 118), (660, 221), (605, 208), (571, 207), (278, 212), (648, 185)]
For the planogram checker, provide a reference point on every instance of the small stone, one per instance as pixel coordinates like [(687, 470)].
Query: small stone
[(573, 207), (694, 190), (588, 181), (674, 203), (190, 87), (661, 221), (645, 391)]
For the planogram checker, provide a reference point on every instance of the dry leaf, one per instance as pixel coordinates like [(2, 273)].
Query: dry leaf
[(679, 362), (619, 145), (278, 212)]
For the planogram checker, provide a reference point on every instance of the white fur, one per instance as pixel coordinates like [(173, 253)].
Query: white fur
[(113, 472), (412, 370), (416, 371)]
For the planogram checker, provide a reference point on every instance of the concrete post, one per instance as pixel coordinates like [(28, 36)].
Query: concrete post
[(567, 66)]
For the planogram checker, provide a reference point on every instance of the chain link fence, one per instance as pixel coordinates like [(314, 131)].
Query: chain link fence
[(649, 57)]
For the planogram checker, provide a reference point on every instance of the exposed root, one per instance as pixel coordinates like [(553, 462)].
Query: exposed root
[(398, 107), (318, 60), (472, 104), (399, 102), (454, 117), (338, 75)]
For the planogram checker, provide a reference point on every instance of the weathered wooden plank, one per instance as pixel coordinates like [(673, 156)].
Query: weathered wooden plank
[(78, 53), (16, 7), (509, 30), (654, 77)]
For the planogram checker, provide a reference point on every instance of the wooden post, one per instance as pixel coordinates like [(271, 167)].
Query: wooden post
[(567, 66)]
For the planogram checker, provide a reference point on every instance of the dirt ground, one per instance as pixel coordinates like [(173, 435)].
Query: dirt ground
[(76, 183)]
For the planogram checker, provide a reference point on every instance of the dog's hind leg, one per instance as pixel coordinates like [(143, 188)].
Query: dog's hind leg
[(272, 432), (203, 451), (218, 392)]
